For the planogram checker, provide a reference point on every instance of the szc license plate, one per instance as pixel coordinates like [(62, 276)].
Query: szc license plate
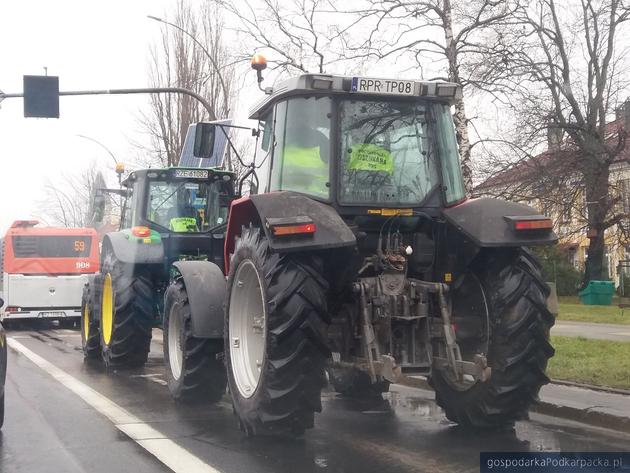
[(191, 173), (382, 86)]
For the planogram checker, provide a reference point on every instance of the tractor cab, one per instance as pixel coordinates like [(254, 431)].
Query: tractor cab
[(177, 200), (178, 208), (360, 143)]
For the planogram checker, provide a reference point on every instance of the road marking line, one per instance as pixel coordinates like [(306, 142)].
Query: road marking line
[(625, 334), (175, 457)]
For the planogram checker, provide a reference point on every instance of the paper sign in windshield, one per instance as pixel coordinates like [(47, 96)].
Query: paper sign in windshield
[(369, 157)]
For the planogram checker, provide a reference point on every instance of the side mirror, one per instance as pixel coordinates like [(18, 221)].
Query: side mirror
[(204, 140), (99, 207)]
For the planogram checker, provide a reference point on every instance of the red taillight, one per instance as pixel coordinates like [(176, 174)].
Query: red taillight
[(141, 232), (12, 309), (303, 229), (523, 225)]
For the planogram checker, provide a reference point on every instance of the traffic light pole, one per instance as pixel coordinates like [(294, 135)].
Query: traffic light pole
[(146, 90)]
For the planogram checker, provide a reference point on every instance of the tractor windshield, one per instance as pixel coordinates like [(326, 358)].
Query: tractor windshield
[(389, 151), (185, 206)]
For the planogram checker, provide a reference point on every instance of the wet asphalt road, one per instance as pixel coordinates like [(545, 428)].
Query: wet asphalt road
[(48, 428)]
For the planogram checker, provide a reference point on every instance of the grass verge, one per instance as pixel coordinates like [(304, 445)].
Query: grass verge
[(603, 314), (599, 362)]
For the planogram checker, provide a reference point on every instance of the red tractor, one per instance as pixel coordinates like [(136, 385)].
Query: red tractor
[(358, 257)]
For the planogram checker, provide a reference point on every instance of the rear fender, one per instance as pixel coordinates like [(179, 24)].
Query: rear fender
[(133, 250), (487, 223), (206, 289), (331, 231)]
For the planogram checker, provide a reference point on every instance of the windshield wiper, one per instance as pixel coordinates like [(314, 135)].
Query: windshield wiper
[(170, 195)]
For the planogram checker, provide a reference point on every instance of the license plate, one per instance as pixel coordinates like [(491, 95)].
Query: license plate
[(52, 314), (191, 174), (382, 86)]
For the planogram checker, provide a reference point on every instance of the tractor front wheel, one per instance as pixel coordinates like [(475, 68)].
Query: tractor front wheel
[(90, 316), (194, 367), (500, 307), (275, 345), (127, 313)]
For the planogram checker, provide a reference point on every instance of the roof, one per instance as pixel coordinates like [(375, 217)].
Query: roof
[(328, 84), (552, 161)]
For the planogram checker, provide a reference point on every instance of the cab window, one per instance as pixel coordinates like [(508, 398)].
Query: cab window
[(127, 217), (263, 151), (183, 206), (302, 146)]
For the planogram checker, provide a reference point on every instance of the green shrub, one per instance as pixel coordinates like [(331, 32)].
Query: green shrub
[(557, 268)]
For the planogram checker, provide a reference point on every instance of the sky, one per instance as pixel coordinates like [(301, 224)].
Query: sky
[(98, 45), (89, 45)]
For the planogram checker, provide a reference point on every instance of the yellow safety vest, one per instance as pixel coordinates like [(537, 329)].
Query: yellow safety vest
[(303, 170)]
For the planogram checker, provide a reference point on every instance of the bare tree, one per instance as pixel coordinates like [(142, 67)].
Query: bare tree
[(192, 54), (302, 35), (562, 73), (434, 36), (70, 202)]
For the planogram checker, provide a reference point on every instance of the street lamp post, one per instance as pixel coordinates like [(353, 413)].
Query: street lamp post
[(120, 167)]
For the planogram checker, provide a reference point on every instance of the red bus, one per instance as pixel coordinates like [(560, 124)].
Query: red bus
[(44, 269)]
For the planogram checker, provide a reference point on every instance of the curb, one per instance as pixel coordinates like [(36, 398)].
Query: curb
[(586, 416), (604, 389)]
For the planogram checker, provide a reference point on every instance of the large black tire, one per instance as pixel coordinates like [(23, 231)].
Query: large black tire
[(128, 342), (518, 348), (3, 370), (201, 375), (1, 410), (288, 392), (90, 317)]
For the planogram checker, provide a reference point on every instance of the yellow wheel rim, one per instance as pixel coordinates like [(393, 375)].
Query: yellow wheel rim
[(107, 312), (86, 321)]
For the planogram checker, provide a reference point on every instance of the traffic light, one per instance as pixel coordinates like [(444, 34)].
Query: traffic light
[(41, 96)]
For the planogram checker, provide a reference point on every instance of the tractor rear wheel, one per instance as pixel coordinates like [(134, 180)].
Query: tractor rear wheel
[(275, 345), (90, 316), (194, 367), (506, 297), (127, 312)]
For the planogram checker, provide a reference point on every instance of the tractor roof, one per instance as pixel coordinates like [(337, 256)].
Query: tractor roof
[(326, 84)]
